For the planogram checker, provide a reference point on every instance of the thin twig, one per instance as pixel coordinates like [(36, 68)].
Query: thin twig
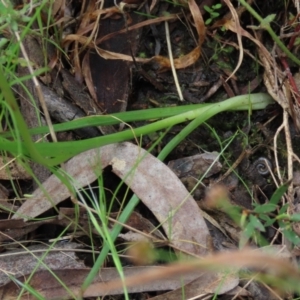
[(172, 61), (275, 152), (290, 152), (235, 18)]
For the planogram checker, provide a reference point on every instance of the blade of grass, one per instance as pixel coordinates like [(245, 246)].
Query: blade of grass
[(125, 214), (61, 151), (20, 122), (130, 116)]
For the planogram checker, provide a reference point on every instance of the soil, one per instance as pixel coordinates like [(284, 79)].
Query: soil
[(116, 85)]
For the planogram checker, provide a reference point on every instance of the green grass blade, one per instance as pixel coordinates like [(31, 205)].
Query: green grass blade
[(59, 152)]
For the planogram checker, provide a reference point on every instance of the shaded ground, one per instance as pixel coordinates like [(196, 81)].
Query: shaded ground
[(130, 70)]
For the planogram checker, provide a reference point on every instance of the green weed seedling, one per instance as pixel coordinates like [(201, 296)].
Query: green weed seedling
[(213, 14), (254, 223)]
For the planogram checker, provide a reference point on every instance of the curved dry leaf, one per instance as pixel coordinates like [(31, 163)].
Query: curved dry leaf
[(150, 179), (164, 62), (86, 72), (236, 24), (188, 59), (199, 22), (84, 39), (136, 26), (114, 55), (180, 62)]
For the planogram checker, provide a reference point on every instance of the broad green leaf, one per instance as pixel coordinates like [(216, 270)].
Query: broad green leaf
[(256, 223), (283, 216), (282, 224), (268, 221), (215, 14), (3, 41), (217, 6), (248, 232), (291, 236), (279, 193), (207, 8), (265, 208), (295, 218), (283, 209)]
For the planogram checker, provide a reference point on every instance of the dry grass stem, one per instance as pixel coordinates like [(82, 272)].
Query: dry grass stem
[(172, 62), (38, 89), (237, 259)]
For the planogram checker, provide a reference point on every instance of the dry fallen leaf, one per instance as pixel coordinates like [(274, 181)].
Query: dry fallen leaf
[(157, 187), (180, 62), (234, 22), (199, 22), (20, 263), (158, 278), (50, 288), (151, 180)]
